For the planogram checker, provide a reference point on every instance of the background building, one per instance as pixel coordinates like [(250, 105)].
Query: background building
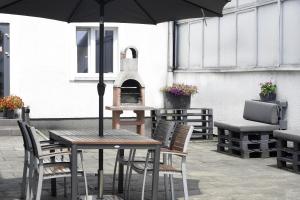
[(255, 41)]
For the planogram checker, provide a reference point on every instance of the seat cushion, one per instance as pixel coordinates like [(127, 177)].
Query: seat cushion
[(292, 135), (246, 126), (261, 112)]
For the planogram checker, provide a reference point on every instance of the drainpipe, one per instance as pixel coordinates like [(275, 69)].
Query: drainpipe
[(279, 8)]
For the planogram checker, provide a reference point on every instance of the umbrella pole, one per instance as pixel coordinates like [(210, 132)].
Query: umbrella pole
[(101, 90)]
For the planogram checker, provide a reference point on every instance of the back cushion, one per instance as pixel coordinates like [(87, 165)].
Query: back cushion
[(261, 112)]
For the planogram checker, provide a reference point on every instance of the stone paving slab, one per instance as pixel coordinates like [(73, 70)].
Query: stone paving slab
[(211, 175)]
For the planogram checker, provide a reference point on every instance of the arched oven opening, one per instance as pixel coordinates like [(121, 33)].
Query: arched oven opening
[(131, 92)]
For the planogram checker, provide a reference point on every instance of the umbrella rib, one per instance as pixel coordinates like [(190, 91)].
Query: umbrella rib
[(207, 9), (10, 4), (145, 11), (74, 11)]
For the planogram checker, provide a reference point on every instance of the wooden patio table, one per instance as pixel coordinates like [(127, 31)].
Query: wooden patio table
[(112, 139)]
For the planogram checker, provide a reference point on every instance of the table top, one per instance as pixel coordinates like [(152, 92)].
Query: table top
[(110, 137)]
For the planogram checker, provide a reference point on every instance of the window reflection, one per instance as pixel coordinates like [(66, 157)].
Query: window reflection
[(82, 37)]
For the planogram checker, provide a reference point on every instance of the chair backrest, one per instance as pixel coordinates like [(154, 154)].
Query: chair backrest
[(36, 147), (181, 137), (25, 136), (163, 132)]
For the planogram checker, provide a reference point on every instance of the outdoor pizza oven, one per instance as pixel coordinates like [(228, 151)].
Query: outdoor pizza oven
[(129, 87)]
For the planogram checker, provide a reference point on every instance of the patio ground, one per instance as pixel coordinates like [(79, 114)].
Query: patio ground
[(211, 175)]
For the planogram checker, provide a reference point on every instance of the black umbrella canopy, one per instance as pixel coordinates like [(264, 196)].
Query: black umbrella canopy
[(126, 11)]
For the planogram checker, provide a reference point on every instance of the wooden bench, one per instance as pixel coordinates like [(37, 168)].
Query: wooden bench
[(252, 136)]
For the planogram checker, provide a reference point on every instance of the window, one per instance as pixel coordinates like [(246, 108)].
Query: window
[(252, 35), (88, 50)]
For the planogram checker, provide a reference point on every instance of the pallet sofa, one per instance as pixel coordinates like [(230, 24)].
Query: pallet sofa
[(288, 149), (252, 136)]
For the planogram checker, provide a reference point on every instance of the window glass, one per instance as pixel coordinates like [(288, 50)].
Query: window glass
[(196, 44), (108, 51), (82, 38), (182, 45)]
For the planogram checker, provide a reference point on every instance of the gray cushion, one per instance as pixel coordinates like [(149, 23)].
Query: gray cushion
[(246, 126), (292, 135), (261, 112)]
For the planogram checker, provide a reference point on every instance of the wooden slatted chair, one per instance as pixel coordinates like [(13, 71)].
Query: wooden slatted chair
[(46, 146), (162, 133), (178, 148), (28, 156), (40, 166)]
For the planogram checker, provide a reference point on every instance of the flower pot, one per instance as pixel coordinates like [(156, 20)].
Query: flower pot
[(10, 114), (268, 97), (1, 114), (173, 101)]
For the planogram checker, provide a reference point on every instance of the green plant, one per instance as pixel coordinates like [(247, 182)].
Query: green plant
[(181, 89), (12, 102), (267, 88)]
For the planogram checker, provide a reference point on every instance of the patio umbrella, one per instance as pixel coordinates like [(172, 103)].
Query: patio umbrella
[(124, 11)]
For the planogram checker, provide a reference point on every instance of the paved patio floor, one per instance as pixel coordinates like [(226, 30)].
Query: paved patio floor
[(211, 175)]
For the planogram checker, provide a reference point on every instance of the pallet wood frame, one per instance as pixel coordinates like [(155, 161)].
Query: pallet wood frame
[(200, 118), (259, 144), (247, 144), (288, 154)]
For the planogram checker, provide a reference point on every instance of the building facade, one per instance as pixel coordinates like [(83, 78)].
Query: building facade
[(227, 58), (52, 65)]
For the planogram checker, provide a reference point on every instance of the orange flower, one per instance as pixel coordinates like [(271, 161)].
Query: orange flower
[(12, 102)]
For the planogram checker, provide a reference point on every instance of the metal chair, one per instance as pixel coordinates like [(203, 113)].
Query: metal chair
[(42, 165), (28, 156), (178, 148), (162, 133)]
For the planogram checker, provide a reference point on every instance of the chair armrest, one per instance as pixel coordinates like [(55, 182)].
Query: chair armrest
[(53, 147), (61, 153), (45, 141), (41, 134), (172, 152), (48, 142)]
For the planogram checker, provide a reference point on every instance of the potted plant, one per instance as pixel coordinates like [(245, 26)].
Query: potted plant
[(11, 104), (179, 95), (268, 91)]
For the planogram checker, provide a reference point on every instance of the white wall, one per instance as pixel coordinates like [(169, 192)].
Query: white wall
[(255, 41), (43, 65), (227, 92)]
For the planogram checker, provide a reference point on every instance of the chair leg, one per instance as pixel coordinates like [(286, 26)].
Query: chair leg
[(115, 171), (29, 193), (25, 176), (127, 170), (65, 187), (184, 179), (86, 185), (145, 174), (131, 159), (84, 176), (166, 186), (144, 183), (172, 187), (40, 182)]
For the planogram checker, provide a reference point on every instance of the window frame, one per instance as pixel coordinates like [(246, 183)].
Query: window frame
[(92, 75)]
